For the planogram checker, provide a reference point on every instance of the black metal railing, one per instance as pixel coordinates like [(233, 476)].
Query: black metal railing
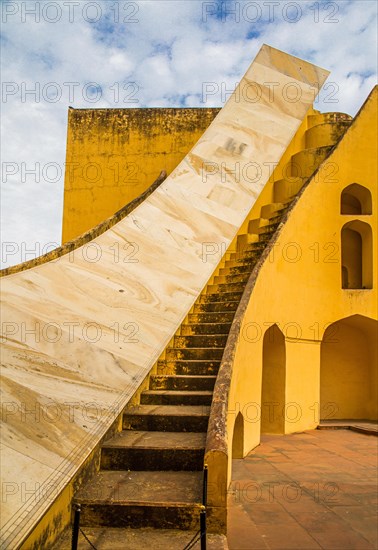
[(203, 511), (76, 530), (202, 533)]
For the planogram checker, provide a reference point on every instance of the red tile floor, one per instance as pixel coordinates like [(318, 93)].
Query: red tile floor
[(316, 489)]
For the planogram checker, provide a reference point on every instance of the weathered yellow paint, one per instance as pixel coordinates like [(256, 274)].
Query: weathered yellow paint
[(60, 514), (113, 155), (45, 533)]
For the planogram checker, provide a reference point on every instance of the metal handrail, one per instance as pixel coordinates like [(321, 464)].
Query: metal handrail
[(76, 528)]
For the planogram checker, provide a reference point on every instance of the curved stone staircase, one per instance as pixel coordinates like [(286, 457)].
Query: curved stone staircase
[(150, 475)]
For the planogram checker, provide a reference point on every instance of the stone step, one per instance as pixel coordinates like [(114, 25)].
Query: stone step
[(160, 499), (231, 278), (254, 248), (221, 296), (287, 189), (277, 219), (166, 418), (216, 307), (177, 382), (305, 162), (266, 227), (240, 255), (245, 239), (249, 261), (205, 328), (252, 253), (236, 262), (175, 397), (255, 225), (211, 317), (201, 341), (117, 538), (266, 237), (188, 367), (269, 211), (194, 353), (235, 270), (226, 288), (140, 450)]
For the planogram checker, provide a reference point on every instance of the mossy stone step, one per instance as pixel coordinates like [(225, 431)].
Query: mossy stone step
[(232, 278), (160, 499), (166, 418), (236, 270), (205, 328), (117, 538), (194, 353), (201, 341), (225, 288), (221, 295), (175, 397), (141, 450), (211, 317), (177, 382), (188, 367), (218, 307)]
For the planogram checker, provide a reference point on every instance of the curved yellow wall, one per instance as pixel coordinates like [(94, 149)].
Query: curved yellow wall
[(299, 288), (113, 155)]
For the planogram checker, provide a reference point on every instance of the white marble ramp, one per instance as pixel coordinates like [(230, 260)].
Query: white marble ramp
[(81, 332)]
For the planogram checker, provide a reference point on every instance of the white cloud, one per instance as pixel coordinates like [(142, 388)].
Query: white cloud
[(169, 49)]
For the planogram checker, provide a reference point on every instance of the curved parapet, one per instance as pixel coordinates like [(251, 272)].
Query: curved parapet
[(88, 236), (81, 332), (354, 309)]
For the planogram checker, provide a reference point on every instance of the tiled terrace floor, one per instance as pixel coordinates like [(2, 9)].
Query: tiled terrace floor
[(311, 490)]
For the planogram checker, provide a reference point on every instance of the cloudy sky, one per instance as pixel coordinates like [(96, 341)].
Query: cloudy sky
[(155, 53)]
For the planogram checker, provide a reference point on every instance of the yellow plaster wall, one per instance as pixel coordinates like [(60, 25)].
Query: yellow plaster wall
[(299, 289), (113, 155), (345, 373)]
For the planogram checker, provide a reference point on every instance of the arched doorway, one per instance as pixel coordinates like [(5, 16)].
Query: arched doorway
[(348, 370), (273, 382)]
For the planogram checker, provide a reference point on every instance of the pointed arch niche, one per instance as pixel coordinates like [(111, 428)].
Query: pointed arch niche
[(356, 200)]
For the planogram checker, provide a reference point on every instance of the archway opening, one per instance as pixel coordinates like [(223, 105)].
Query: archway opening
[(356, 255), (273, 382), (348, 370), (238, 437), (356, 200)]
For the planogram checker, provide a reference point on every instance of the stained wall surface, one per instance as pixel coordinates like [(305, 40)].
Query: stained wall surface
[(81, 332), (113, 155)]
